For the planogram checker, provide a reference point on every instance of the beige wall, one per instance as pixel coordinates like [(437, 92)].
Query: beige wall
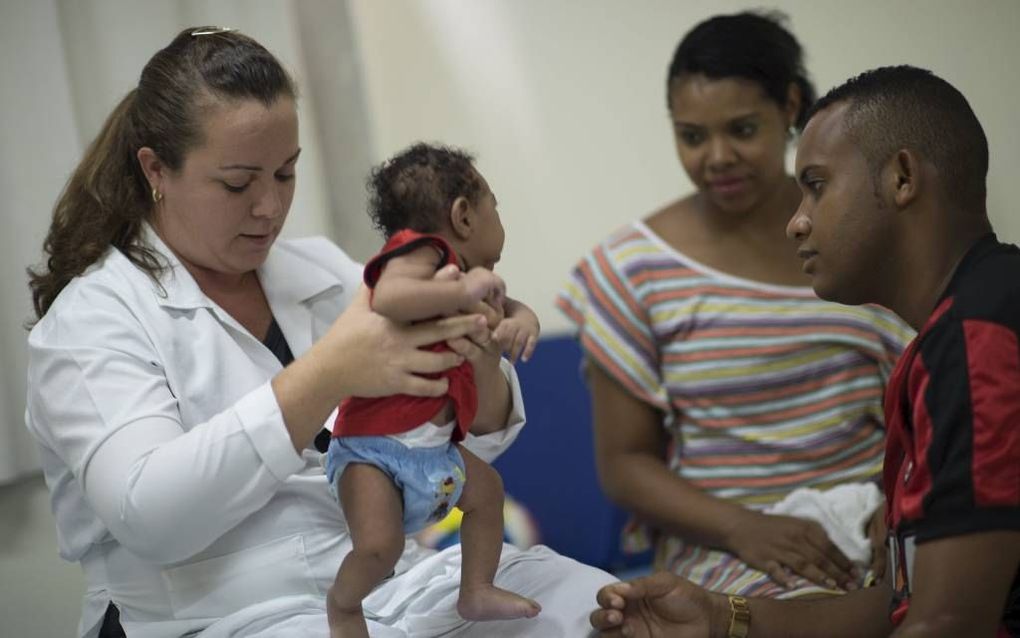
[(563, 101)]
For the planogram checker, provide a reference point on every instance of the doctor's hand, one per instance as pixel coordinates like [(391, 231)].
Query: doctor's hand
[(367, 355), (483, 351), (662, 605), (478, 346), (372, 356)]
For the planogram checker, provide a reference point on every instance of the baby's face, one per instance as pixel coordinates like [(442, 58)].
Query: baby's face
[(486, 243)]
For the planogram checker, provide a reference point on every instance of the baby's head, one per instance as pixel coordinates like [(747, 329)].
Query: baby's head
[(436, 189)]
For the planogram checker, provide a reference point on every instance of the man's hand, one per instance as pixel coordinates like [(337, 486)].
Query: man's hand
[(659, 606)]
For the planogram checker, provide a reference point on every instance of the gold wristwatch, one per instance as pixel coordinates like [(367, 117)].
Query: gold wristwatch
[(740, 617)]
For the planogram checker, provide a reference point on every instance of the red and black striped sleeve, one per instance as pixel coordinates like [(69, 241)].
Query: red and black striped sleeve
[(967, 427)]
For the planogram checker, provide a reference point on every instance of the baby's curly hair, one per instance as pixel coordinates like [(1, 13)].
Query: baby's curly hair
[(416, 188)]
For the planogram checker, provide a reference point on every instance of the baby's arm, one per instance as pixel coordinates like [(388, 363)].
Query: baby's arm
[(407, 289), (518, 327), (517, 334)]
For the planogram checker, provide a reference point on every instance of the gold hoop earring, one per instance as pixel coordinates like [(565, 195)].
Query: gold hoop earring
[(156, 196)]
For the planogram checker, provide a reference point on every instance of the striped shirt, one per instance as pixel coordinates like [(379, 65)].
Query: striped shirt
[(764, 388)]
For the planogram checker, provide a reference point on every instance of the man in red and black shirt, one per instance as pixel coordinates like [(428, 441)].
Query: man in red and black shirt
[(892, 165), (952, 466)]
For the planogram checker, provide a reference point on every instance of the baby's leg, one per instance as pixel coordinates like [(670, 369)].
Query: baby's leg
[(374, 511), (481, 541)]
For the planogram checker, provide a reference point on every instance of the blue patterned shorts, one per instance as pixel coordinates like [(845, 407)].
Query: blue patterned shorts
[(430, 479)]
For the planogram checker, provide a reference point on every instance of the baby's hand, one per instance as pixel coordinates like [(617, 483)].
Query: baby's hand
[(517, 336), (484, 285), (493, 313)]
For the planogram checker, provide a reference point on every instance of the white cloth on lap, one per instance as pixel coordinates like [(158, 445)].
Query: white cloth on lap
[(844, 511), (422, 602)]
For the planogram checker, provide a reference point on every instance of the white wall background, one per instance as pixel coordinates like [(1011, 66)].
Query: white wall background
[(562, 100)]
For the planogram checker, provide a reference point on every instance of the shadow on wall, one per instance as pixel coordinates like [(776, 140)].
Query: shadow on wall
[(551, 467)]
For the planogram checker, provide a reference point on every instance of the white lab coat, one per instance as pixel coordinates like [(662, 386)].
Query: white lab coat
[(175, 485)]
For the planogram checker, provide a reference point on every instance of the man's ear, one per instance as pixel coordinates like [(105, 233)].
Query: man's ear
[(462, 218), (153, 167), (903, 178)]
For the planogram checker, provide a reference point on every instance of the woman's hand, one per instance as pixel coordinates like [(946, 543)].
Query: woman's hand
[(481, 284), (364, 354), (779, 545), (478, 347), (662, 605), (372, 356)]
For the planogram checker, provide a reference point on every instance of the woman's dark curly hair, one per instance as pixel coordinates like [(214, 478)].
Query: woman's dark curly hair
[(416, 188), (750, 45)]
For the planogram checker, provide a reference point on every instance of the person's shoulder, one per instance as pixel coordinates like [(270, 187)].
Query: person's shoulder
[(113, 286), (113, 276), (682, 211), (321, 252), (989, 288)]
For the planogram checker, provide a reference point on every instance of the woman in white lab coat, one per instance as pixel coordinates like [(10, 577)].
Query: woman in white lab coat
[(185, 360)]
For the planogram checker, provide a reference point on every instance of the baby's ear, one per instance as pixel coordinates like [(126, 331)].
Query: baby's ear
[(462, 218)]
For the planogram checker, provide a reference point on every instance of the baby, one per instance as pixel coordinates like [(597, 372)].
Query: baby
[(396, 463)]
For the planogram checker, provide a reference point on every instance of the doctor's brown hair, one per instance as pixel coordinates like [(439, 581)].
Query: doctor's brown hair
[(107, 198)]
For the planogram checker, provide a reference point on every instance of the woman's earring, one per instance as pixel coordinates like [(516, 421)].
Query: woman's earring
[(156, 196)]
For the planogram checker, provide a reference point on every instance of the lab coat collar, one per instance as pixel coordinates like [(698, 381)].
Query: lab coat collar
[(176, 287), (292, 283), (285, 276), (289, 277)]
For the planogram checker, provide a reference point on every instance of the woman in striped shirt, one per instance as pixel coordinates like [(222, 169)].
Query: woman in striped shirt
[(720, 382)]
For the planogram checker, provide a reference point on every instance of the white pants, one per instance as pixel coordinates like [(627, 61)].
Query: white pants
[(421, 602)]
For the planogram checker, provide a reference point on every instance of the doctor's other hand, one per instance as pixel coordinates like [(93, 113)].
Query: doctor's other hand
[(782, 546), (369, 355), (662, 605)]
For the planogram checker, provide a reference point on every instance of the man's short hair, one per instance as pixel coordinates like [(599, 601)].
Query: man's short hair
[(896, 107)]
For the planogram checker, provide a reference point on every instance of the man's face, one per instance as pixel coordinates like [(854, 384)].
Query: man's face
[(843, 232)]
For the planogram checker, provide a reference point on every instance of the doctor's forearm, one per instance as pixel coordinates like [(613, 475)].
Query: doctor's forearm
[(307, 394)]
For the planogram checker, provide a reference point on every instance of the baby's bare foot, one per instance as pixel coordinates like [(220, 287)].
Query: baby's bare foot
[(345, 623), (488, 602)]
